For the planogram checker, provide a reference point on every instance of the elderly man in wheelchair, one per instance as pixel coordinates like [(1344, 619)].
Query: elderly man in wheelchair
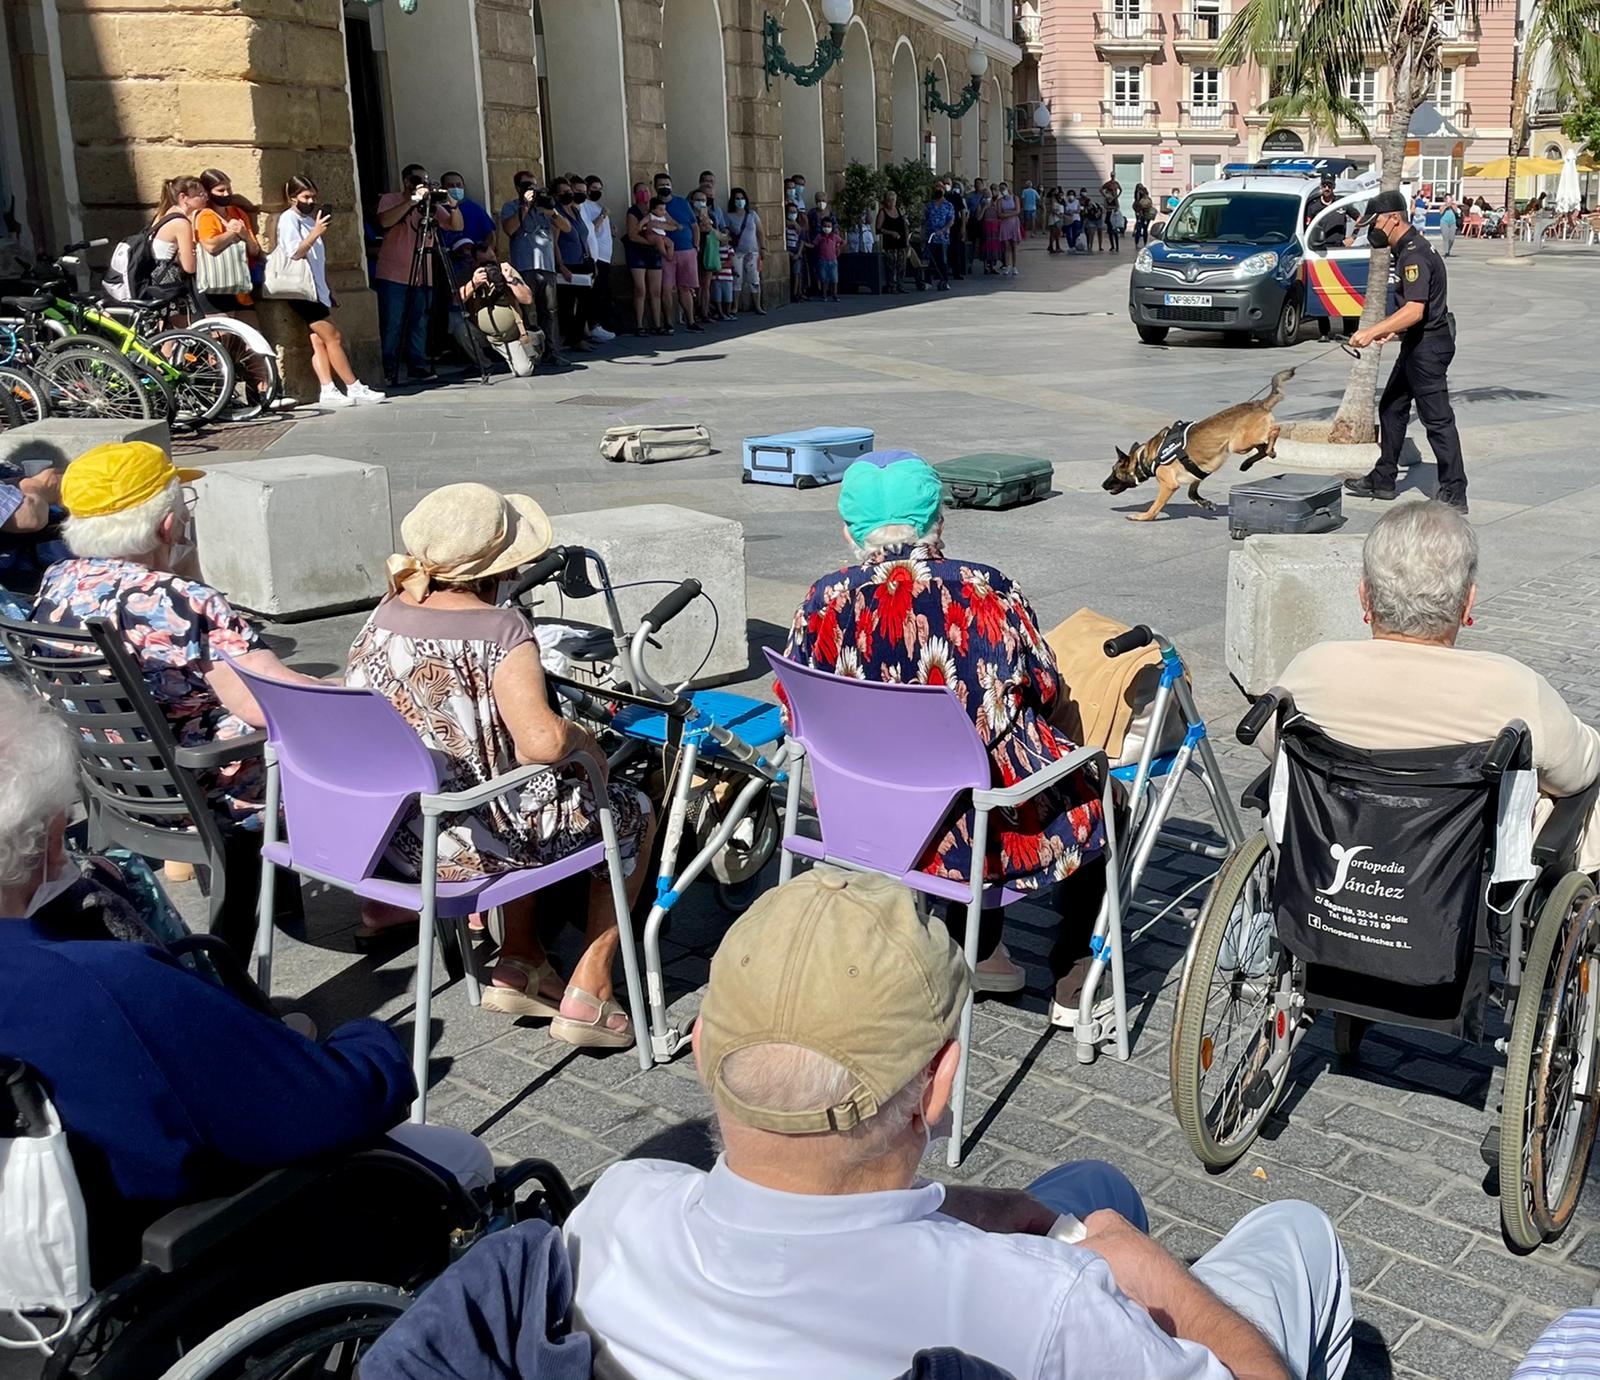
[(171, 1156), (1427, 861)]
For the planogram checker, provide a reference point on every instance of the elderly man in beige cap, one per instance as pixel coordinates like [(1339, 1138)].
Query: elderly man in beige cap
[(812, 1248)]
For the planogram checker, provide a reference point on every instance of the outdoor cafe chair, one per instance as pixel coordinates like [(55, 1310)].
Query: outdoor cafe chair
[(347, 769), (890, 766)]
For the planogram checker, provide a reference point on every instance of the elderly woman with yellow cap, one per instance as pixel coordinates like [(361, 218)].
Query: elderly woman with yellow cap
[(903, 611), (131, 534), (466, 675)]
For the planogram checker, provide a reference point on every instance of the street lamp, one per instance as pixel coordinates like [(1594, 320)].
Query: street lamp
[(977, 64), (829, 50), (1041, 117)]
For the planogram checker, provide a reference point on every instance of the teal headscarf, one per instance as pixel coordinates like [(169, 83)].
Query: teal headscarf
[(904, 491)]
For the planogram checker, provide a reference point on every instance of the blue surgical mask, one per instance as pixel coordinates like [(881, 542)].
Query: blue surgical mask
[(457, 193), (738, 203)]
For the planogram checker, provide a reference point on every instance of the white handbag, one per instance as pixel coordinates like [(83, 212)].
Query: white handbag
[(227, 271), (289, 277), (44, 1227)]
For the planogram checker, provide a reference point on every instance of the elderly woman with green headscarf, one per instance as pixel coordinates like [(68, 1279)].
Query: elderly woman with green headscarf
[(905, 612)]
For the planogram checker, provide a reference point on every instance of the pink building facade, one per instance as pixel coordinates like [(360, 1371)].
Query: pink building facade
[(1133, 88)]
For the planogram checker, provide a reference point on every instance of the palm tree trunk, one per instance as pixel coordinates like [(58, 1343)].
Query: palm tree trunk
[(1519, 136), (1356, 420)]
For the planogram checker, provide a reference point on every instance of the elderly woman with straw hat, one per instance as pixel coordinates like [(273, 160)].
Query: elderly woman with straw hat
[(466, 675)]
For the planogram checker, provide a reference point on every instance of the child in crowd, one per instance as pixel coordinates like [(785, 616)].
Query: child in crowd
[(829, 243), (862, 239), (795, 241), (722, 288), (657, 226)]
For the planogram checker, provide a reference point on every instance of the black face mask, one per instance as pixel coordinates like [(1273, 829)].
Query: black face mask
[(1378, 237), (595, 195)]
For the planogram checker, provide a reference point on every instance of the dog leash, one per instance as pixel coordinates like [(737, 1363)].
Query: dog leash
[(1315, 359)]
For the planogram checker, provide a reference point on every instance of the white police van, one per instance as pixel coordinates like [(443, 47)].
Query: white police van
[(1239, 256)]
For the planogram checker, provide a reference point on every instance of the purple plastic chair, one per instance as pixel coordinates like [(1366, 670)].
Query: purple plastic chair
[(347, 769), (889, 764)]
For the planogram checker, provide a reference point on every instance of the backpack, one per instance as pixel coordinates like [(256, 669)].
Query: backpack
[(136, 275)]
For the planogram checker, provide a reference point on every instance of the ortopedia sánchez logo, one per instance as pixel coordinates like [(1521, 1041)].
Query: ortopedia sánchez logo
[(1342, 858)]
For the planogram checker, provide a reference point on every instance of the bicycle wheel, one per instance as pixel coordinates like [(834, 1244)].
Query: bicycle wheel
[(321, 1331), (162, 404), (204, 386), (257, 382), (82, 382), (10, 413), (27, 394)]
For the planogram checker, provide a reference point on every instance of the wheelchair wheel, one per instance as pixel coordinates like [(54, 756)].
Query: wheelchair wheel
[(322, 1331), (1240, 1004), (1547, 1127)]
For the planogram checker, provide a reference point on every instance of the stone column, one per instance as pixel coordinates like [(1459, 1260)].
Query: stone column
[(510, 94), (257, 88)]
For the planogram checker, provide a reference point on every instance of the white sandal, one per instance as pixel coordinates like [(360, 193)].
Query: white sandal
[(525, 1001), (595, 1034)]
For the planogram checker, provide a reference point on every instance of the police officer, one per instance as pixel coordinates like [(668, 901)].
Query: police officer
[(1427, 334)]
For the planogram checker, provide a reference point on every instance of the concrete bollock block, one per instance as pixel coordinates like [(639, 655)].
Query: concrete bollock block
[(58, 441), (296, 535), (1287, 593), (660, 541)]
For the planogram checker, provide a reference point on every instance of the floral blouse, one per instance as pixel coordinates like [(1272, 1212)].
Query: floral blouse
[(914, 616), (176, 629)]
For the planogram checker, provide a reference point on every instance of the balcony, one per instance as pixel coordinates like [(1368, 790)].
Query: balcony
[(1127, 33), (1210, 122), (1547, 107), (1458, 32), (1128, 122), (1028, 28), (1377, 115), (1195, 33)]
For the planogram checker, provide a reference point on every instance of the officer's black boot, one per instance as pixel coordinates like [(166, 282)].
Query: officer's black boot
[(1369, 486)]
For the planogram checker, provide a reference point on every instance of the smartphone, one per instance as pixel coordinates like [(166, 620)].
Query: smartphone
[(326, 210)]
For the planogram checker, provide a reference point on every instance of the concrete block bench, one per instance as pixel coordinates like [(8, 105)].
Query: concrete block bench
[(58, 441), (296, 535), (1286, 593), (660, 541)]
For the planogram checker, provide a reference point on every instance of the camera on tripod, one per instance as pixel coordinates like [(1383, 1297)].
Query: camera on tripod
[(436, 193)]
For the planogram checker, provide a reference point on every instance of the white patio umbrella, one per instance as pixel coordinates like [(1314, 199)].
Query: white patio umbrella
[(1568, 195)]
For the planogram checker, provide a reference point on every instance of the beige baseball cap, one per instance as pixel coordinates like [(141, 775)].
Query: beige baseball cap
[(839, 963)]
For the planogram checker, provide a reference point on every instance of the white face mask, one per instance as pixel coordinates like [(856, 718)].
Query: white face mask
[(62, 880)]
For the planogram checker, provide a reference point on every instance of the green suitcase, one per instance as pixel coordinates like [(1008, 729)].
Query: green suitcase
[(993, 479)]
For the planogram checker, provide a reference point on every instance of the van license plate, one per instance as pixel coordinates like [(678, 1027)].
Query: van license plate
[(1187, 299)]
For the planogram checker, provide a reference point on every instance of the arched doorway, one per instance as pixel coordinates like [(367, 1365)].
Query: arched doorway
[(586, 127), (905, 93), (997, 132), (939, 122), (860, 97), (802, 105), (696, 90)]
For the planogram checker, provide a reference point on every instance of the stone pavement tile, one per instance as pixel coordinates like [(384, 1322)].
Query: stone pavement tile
[(451, 1104), (1528, 1277), (1523, 1327), (1293, 1142), (1185, 1240), (1400, 1180), (1380, 1326), (1469, 1206), (1371, 1127), (1451, 1080), (1435, 1352), (681, 1094), (1008, 1173), (576, 1156), (1586, 1249), (1408, 1233), (641, 1133), (1461, 1155), (1135, 1130), (1203, 1201), (1367, 1259), (1430, 1291)]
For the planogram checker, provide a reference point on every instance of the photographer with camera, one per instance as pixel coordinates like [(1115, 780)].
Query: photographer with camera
[(492, 300), (531, 223), (405, 278)]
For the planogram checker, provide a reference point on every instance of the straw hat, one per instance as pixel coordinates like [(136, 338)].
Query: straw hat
[(466, 532)]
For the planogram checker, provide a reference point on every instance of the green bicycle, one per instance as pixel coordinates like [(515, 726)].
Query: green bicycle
[(77, 349)]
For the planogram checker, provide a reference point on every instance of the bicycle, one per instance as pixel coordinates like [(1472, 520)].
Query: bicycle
[(258, 382), (195, 373)]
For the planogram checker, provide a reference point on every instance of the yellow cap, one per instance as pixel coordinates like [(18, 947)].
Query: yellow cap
[(115, 477), (839, 963)]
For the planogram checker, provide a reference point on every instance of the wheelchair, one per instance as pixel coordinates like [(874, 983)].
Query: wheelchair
[(293, 1276), (1400, 887)]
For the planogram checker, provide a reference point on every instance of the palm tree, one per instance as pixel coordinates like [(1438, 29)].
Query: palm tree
[(1317, 47), (1567, 34)]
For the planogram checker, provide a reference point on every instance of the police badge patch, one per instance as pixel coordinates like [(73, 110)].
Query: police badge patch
[(1411, 273)]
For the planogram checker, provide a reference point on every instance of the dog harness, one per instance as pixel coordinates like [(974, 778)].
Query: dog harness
[(1174, 447)]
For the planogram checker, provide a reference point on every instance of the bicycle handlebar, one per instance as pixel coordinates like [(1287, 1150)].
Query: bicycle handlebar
[(1129, 641), (673, 604)]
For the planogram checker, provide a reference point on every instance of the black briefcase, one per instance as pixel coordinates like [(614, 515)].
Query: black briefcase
[(1285, 503)]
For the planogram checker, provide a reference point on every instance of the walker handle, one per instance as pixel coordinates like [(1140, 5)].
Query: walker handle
[(673, 604), (1129, 641), (1255, 718), (545, 568)]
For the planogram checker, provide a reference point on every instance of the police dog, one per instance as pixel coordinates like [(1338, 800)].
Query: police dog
[(1173, 456)]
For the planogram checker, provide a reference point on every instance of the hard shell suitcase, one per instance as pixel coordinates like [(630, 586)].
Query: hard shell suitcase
[(804, 459), (993, 479), (1285, 503)]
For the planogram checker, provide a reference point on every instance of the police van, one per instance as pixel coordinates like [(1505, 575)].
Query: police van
[(1239, 256)]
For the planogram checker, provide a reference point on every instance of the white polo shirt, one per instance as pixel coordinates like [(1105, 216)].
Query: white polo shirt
[(684, 1275)]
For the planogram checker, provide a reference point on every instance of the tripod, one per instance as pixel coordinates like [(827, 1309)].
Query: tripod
[(418, 282)]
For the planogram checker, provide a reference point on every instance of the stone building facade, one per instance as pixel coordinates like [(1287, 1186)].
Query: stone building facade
[(110, 97)]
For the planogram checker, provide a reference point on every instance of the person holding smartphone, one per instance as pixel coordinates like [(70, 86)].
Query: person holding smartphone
[(300, 230)]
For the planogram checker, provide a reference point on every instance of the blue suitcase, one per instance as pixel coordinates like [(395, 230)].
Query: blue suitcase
[(804, 459)]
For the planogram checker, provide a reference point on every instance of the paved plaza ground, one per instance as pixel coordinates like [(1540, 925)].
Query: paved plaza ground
[(1048, 364)]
